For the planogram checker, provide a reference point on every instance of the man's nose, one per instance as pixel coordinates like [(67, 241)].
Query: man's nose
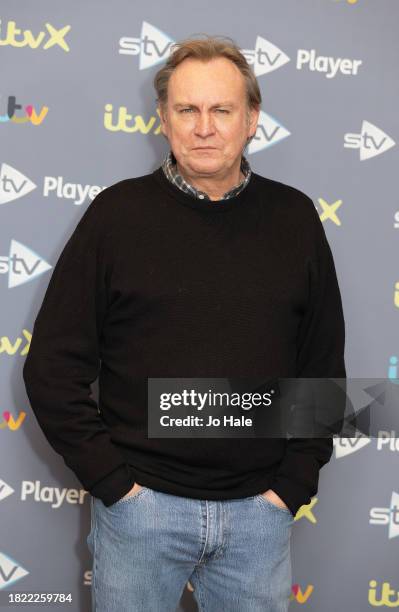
[(204, 124)]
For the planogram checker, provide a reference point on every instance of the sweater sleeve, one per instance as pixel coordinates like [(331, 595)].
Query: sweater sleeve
[(320, 354), (64, 359)]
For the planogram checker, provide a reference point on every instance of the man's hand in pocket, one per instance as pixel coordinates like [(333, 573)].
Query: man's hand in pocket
[(274, 498), (136, 487)]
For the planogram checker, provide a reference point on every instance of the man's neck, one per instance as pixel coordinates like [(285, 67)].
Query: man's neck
[(215, 189)]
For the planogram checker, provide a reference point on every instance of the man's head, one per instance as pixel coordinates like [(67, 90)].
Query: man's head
[(208, 96)]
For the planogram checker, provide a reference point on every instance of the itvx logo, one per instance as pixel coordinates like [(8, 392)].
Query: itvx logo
[(383, 595), (12, 36), (22, 264), (371, 141), (122, 121), (329, 211), (11, 347)]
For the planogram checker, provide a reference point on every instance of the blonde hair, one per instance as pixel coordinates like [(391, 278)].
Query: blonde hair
[(205, 50)]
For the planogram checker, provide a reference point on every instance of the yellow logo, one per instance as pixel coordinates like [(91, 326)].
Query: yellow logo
[(329, 211), (387, 596), (11, 423), (15, 37), (124, 122), (10, 348), (306, 511)]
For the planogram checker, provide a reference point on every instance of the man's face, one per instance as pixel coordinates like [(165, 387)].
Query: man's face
[(207, 108)]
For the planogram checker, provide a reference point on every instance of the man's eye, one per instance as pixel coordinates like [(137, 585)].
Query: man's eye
[(222, 110)]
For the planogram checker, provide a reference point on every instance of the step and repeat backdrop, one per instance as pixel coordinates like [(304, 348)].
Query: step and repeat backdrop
[(78, 113)]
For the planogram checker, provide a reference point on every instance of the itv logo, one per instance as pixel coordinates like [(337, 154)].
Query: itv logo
[(10, 423)]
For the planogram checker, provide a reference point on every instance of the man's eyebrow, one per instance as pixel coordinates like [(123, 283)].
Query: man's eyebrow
[(217, 105)]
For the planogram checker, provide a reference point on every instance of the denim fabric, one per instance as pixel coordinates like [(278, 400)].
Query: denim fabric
[(235, 553)]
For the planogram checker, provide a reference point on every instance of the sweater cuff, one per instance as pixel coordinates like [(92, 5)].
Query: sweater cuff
[(115, 485), (293, 494)]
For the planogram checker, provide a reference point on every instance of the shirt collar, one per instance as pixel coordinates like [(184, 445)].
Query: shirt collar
[(169, 167)]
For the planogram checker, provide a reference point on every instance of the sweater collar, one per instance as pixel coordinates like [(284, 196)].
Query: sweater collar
[(169, 167), (205, 204)]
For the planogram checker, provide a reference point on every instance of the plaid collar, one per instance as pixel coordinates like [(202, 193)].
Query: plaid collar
[(169, 167)]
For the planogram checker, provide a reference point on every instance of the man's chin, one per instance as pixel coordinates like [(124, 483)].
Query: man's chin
[(205, 167)]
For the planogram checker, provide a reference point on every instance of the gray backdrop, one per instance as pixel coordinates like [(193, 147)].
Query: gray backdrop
[(328, 74)]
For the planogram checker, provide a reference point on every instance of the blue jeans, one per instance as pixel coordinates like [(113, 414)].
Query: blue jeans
[(235, 553)]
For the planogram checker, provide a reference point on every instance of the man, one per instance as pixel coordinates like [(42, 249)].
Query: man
[(202, 268)]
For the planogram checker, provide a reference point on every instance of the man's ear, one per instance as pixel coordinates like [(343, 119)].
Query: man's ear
[(162, 115), (253, 121)]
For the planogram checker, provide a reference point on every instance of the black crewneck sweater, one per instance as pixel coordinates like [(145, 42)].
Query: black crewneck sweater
[(154, 282)]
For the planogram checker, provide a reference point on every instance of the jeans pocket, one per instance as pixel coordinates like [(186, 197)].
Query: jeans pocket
[(125, 500), (263, 500)]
